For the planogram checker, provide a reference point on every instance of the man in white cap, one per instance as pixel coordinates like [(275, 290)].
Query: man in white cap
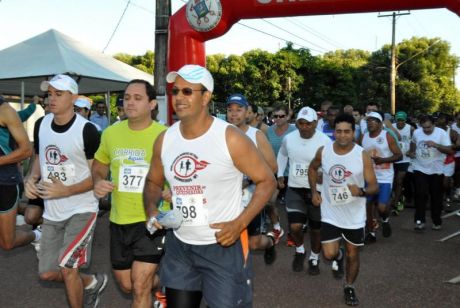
[(298, 149), (203, 159), (384, 151), (65, 145), (82, 106)]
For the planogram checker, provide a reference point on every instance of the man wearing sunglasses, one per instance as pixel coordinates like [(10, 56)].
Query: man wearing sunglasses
[(203, 159)]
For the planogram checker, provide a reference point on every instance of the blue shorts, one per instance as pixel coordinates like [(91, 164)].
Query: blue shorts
[(384, 195), (221, 273)]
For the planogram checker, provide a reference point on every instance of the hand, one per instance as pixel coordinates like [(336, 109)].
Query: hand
[(228, 233), (53, 190), (316, 199), (152, 225), (281, 182), (431, 144), (377, 160), (30, 187), (410, 154), (355, 190), (166, 194), (102, 188)]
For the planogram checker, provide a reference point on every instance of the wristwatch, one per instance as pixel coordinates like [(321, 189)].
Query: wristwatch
[(363, 192)]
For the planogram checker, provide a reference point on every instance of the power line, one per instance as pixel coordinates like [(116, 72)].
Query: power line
[(295, 35), (116, 27)]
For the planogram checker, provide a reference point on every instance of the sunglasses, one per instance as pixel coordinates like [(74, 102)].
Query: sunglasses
[(279, 116), (185, 91)]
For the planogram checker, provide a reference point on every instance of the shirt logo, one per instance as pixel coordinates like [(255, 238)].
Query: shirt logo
[(186, 166), (53, 155), (339, 174)]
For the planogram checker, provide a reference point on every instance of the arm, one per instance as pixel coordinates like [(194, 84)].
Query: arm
[(444, 147), (397, 154), (154, 181), (99, 172), (267, 151), (313, 177), (10, 119), (30, 189), (282, 160), (249, 161), (369, 175)]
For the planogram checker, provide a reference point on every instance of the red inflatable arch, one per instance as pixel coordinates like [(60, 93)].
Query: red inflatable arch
[(202, 20)]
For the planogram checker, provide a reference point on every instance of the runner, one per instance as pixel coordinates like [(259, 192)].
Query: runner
[(299, 148), (65, 145), (204, 159), (237, 110), (126, 151), (348, 177)]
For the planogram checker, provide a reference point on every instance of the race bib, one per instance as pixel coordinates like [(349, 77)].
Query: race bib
[(298, 170), (193, 210), (64, 173), (426, 153), (132, 178), (340, 195)]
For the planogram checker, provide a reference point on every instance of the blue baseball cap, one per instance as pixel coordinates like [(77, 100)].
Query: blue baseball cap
[(237, 99)]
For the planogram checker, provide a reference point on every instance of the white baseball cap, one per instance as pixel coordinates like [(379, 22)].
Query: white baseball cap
[(193, 74), (376, 115), (82, 103), (308, 114), (60, 82)]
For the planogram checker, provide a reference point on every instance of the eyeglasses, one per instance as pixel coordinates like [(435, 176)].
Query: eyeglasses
[(185, 91), (279, 116)]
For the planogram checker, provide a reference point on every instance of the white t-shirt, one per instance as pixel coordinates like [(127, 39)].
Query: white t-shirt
[(299, 152), (404, 143), (204, 181), (338, 206), (429, 160), (457, 129), (378, 147)]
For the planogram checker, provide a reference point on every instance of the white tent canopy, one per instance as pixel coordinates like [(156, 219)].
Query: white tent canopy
[(28, 63)]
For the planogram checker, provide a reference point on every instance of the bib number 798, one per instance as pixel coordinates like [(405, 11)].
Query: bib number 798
[(188, 212)]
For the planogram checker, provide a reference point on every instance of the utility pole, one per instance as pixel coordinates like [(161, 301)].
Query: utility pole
[(162, 14), (393, 60)]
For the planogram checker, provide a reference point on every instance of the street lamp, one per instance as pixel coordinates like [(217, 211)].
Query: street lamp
[(394, 70)]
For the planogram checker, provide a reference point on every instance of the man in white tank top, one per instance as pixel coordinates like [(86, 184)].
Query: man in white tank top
[(345, 168), (237, 111), (203, 159), (383, 149), (65, 144)]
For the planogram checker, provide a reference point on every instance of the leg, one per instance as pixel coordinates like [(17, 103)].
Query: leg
[(398, 188), (352, 262), (33, 215), (123, 278), (74, 286), (435, 188), (421, 189), (331, 249), (142, 275)]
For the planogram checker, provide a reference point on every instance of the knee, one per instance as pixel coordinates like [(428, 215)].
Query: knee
[(329, 255), (48, 276), (141, 287), (6, 245), (125, 287), (68, 272)]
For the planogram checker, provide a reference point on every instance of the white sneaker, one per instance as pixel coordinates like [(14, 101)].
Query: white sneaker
[(36, 243)]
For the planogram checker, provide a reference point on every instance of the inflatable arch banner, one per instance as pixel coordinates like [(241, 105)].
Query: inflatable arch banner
[(201, 20)]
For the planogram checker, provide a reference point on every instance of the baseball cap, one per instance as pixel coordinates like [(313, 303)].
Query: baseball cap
[(237, 99), (193, 74), (60, 82), (376, 115), (401, 115), (308, 114), (82, 102)]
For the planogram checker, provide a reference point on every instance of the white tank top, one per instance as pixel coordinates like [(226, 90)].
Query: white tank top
[(252, 134), (378, 146), (338, 207), (205, 183), (62, 155), (404, 144)]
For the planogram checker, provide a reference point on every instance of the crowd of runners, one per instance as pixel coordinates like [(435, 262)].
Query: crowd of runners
[(189, 202)]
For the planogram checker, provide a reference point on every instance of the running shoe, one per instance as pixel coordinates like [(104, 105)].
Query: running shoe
[(160, 300), (386, 229), (278, 234), (290, 241), (93, 295), (419, 226), (313, 267), (370, 238), (297, 263), (350, 296), (36, 243), (436, 227), (270, 252), (337, 266), (304, 228)]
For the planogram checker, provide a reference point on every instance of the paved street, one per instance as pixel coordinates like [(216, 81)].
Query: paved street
[(406, 270)]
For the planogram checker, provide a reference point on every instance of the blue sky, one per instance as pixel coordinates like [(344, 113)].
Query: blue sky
[(93, 22)]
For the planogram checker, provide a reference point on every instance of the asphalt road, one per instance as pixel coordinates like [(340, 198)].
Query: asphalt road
[(408, 269)]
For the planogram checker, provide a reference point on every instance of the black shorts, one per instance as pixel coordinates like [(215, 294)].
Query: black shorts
[(132, 242), (331, 233), (9, 196), (37, 202), (300, 209), (401, 167), (255, 226)]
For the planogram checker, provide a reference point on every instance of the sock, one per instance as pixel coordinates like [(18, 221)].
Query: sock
[(38, 235), (339, 255), (385, 219), (92, 284), (372, 233), (277, 226), (314, 256), (300, 249)]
